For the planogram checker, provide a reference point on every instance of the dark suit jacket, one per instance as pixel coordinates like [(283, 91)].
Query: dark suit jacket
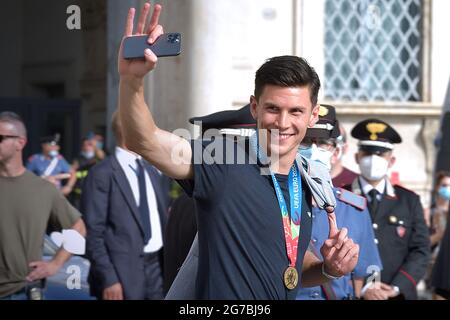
[(441, 275), (180, 231), (403, 239), (115, 238)]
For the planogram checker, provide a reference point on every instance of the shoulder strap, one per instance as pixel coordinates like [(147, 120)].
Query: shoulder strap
[(351, 198), (52, 165)]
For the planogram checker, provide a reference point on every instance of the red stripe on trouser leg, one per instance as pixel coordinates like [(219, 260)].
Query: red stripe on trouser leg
[(410, 278)]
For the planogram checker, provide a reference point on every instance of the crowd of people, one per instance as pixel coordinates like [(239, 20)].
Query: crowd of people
[(268, 210)]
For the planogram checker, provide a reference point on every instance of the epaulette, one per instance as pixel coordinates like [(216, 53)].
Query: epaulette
[(351, 198)]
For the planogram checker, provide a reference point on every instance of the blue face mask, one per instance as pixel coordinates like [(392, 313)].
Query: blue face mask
[(305, 152), (99, 145), (444, 192), (317, 154)]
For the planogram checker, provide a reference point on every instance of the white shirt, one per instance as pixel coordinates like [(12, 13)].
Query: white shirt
[(366, 188), (127, 161)]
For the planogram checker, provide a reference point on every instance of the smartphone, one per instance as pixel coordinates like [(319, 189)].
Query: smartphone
[(168, 44)]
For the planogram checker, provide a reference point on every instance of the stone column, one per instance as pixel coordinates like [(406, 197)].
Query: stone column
[(117, 11), (92, 82), (196, 82)]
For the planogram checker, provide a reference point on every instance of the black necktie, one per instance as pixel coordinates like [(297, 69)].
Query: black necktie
[(143, 203), (373, 201)]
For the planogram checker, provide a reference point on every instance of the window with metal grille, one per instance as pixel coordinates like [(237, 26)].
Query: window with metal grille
[(373, 50)]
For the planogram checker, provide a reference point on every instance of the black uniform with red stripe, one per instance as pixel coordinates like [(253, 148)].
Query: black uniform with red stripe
[(402, 237)]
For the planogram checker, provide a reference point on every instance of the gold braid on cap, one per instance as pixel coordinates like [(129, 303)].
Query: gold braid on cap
[(323, 111), (374, 128)]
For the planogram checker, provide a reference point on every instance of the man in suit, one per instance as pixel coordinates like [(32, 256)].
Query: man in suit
[(397, 215), (125, 213)]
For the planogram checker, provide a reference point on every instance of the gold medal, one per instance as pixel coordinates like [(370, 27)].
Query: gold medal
[(290, 277)]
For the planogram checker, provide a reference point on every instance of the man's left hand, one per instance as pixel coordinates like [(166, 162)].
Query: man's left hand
[(42, 269), (339, 252)]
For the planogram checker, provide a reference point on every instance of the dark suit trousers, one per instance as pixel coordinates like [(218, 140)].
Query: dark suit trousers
[(153, 276)]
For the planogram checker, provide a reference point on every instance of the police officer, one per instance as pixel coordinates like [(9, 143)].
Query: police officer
[(80, 166), (397, 215), (319, 144), (49, 164)]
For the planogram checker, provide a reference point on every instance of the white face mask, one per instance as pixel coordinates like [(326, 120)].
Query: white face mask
[(88, 154), (321, 155), (373, 167)]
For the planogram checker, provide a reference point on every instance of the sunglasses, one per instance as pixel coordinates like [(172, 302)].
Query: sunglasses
[(4, 136)]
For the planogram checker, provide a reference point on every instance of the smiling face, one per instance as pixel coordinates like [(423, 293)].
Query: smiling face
[(285, 113)]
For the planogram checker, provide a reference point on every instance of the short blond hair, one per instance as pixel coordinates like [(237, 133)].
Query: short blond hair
[(16, 121)]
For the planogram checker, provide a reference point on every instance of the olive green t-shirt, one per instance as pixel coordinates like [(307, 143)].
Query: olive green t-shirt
[(29, 207)]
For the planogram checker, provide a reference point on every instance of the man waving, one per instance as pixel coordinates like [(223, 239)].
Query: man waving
[(253, 202)]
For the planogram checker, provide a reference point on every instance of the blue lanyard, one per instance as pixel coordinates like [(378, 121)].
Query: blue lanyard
[(295, 190), (294, 193)]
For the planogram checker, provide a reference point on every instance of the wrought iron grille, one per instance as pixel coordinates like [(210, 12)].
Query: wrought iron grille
[(372, 50)]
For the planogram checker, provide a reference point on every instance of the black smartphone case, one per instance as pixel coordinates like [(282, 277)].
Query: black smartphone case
[(168, 44)]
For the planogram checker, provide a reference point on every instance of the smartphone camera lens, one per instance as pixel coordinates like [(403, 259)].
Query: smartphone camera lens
[(173, 38)]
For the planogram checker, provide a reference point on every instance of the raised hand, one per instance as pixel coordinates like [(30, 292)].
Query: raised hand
[(56, 179), (137, 68), (340, 253)]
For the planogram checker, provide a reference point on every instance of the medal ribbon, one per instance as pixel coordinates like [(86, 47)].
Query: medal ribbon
[(291, 226)]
